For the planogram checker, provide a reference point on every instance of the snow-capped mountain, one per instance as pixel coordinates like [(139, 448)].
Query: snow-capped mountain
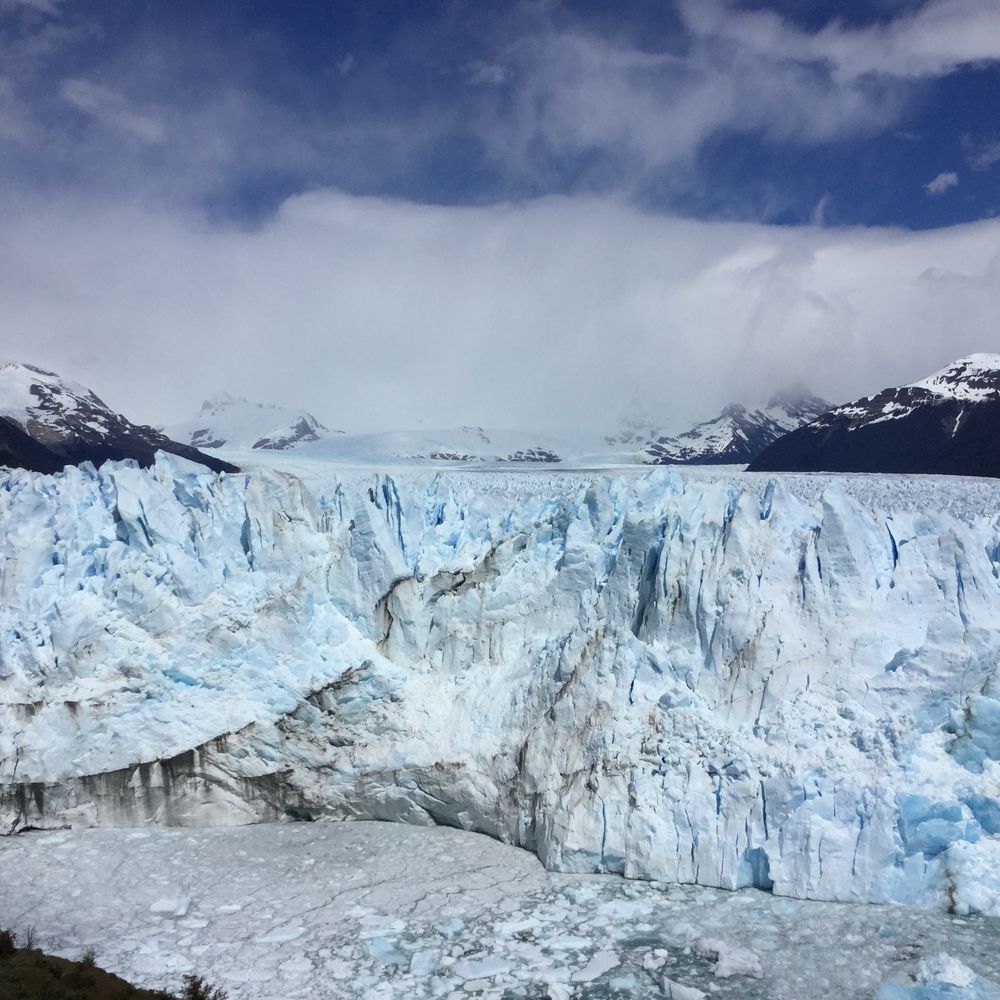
[(234, 423), (948, 423), (738, 435), (48, 422), (685, 675)]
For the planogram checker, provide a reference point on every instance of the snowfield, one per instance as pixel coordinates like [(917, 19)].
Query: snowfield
[(787, 682), (379, 911)]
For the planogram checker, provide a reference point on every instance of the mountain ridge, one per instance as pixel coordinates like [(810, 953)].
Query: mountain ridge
[(48, 422), (738, 434), (234, 422), (947, 424)]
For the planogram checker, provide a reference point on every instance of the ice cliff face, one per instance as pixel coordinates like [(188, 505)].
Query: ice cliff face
[(725, 681)]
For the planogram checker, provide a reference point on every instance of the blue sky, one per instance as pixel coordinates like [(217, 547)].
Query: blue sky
[(479, 212), (786, 112)]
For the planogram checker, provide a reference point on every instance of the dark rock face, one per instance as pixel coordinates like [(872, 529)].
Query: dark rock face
[(452, 456), (206, 439), (19, 450), (533, 455), (947, 424), (738, 435), (60, 423)]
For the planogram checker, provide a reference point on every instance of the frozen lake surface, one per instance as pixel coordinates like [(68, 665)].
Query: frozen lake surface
[(345, 910)]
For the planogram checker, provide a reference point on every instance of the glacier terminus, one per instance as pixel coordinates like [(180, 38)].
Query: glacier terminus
[(709, 677)]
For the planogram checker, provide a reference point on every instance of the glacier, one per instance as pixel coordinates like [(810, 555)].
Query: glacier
[(732, 680)]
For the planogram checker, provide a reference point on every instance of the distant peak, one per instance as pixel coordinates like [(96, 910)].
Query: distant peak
[(221, 399), (734, 410), (24, 366), (974, 377), (969, 366), (796, 396), (982, 360)]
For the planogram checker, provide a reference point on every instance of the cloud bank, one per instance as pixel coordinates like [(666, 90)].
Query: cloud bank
[(558, 312)]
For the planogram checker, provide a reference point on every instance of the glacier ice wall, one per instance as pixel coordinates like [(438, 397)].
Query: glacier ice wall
[(689, 679)]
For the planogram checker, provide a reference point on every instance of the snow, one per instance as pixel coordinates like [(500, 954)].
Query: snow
[(18, 401), (227, 421), (465, 446), (738, 432), (733, 680), (974, 379), (374, 910)]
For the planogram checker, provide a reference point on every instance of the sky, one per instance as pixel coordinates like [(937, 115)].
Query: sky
[(523, 213)]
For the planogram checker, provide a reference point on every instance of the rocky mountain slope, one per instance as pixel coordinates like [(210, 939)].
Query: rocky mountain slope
[(48, 422), (948, 423), (738, 435)]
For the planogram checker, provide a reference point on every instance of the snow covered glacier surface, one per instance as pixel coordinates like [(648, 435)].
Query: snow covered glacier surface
[(731, 680)]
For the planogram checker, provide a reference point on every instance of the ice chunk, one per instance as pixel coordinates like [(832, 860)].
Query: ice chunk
[(673, 990), (171, 906), (941, 977), (601, 962), (425, 961), (730, 960), (385, 951), (480, 968)]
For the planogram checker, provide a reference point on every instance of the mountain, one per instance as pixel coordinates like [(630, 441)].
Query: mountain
[(48, 422), (691, 677), (948, 423), (469, 445), (233, 422), (737, 435)]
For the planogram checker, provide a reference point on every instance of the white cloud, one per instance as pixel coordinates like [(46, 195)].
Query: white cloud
[(983, 155), (943, 182), (49, 7), (15, 119), (741, 70), (482, 73), (820, 210), (934, 40), (610, 113), (111, 108), (559, 311)]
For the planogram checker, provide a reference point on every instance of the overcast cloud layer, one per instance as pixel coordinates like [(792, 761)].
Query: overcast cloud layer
[(378, 313)]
